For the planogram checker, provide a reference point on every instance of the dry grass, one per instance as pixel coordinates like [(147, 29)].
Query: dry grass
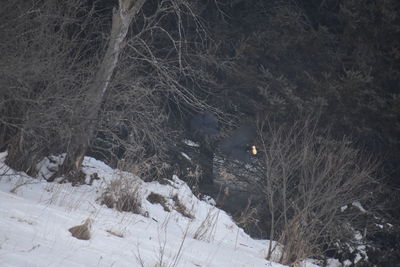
[(247, 216), (181, 208), (21, 183), (115, 233), (122, 195), (206, 230), (154, 198), (22, 220)]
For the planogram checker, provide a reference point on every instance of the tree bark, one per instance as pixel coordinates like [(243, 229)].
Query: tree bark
[(84, 130)]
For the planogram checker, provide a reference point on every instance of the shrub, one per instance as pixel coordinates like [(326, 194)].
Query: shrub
[(122, 195), (306, 177)]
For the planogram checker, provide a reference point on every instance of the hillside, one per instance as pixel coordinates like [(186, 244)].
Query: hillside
[(36, 215)]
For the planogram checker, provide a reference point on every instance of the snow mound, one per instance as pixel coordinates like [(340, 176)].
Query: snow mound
[(35, 217)]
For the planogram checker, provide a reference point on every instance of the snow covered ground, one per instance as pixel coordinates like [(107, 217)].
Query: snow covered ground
[(35, 217)]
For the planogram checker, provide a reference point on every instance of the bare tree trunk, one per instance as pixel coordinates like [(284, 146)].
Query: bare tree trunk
[(84, 130)]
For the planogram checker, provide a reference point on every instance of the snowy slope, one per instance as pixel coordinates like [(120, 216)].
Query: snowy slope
[(35, 217)]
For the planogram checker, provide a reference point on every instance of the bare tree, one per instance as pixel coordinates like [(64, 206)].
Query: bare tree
[(117, 104), (42, 75), (84, 130), (306, 177)]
